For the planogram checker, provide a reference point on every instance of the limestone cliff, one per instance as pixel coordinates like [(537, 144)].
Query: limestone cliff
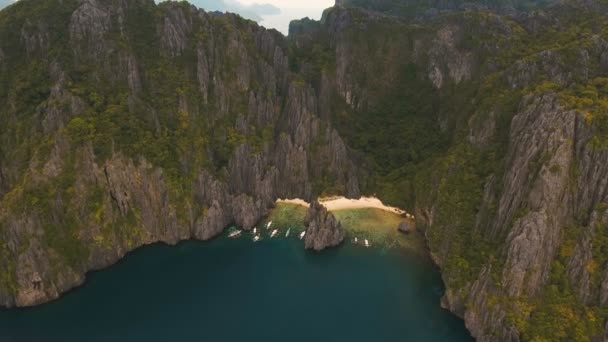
[(323, 230), (507, 159), (129, 123)]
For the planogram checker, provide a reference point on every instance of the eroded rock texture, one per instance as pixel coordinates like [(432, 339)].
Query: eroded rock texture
[(127, 123), (323, 230), (161, 123)]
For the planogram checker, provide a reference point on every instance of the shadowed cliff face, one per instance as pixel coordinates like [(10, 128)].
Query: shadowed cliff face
[(130, 123)]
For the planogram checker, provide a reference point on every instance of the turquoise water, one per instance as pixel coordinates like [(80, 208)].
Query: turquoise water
[(235, 290)]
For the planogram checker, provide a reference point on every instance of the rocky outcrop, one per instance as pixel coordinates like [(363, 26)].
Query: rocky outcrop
[(323, 230), (405, 227)]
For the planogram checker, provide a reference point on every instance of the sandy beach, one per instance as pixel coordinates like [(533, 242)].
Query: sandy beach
[(364, 218), (340, 203)]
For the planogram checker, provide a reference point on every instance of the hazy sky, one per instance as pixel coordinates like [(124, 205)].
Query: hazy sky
[(5, 3), (316, 4), (290, 10)]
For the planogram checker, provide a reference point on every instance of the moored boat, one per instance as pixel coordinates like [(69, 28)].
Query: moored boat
[(302, 234), (274, 232), (288, 231), (235, 233), (367, 244), (256, 238)]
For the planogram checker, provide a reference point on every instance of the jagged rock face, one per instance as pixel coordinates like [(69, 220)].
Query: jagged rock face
[(195, 121), (542, 129), (541, 201), (323, 230), (446, 61), (89, 24), (545, 131), (215, 85), (541, 208)]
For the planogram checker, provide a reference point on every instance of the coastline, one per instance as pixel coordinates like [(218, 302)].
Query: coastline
[(336, 203), (366, 218)]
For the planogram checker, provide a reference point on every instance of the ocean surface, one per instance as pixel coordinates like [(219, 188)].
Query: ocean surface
[(237, 290)]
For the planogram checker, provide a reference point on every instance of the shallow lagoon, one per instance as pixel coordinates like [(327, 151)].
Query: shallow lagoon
[(237, 290)]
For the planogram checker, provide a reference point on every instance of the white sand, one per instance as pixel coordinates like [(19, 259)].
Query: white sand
[(339, 203)]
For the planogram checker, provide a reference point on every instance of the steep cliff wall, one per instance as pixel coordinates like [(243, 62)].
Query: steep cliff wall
[(129, 123), (508, 174)]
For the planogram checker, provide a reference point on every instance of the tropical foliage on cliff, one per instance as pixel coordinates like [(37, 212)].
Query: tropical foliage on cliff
[(127, 122), (448, 150)]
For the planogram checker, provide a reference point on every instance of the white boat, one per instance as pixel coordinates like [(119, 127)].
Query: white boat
[(268, 225), (288, 231), (356, 240), (274, 232), (302, 234), (256, 238), (255, 230), (235, 233), (367, 244)]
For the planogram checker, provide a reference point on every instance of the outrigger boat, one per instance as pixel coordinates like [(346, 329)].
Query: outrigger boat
[(255, 230), (256, 238), (288, 231), (274, 232), (356, 240), (235, 233), (367, 244), (302, 234), (268, 225)]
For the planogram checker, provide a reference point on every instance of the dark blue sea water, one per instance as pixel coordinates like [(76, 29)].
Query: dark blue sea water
[(235, 290)]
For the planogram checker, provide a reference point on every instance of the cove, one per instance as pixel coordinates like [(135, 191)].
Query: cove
[(237, 290)]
